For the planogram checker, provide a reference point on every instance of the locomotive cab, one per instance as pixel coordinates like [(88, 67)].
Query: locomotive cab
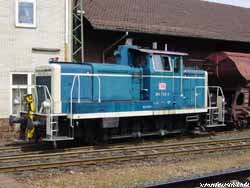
[(154, 63)]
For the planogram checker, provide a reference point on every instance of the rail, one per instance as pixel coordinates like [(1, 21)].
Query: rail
[(100, 156), (21, 149)]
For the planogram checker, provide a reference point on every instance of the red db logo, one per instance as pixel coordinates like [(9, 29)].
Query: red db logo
[(162, 86)]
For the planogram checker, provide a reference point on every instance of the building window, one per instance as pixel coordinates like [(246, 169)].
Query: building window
[(20, 86), (26, 13)]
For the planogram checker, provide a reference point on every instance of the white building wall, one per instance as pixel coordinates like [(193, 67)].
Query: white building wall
[(16, 44)]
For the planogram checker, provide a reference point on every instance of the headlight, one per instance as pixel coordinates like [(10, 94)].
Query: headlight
[(46, 104)]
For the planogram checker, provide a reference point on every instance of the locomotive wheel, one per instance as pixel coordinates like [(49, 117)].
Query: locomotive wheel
[(244, 123), (241, 124), (201, 127), (237, 124)]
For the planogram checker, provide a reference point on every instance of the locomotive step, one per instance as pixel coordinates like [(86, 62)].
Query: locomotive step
[(57, 138), (214, 119), (216, 125), (192, 118)]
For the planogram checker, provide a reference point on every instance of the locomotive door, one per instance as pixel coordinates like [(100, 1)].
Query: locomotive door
[(164, 84), (136, 84), (162, 80), (141, 80), (177, 82), (145, 84)]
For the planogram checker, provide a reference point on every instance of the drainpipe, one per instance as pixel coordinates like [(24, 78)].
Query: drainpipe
[(66, 39)]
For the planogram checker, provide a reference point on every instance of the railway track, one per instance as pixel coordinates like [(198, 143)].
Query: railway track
[(27, 149), (99, 156), (18, 148)]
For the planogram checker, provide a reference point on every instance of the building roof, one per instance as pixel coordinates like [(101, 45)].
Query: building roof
[(187, 18)]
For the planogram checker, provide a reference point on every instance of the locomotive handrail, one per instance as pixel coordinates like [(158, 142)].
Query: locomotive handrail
[(50, 97), (71, 98), (196, 94), (36, 100), (46, 95), (218, 90), (99, 88), (79, 93)]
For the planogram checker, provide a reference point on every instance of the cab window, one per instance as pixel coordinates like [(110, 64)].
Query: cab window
[(140, 60), (177, 67), (166, 63), (162, 63), (177, 64)]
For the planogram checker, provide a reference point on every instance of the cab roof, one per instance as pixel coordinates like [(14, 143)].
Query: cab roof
[(161, 52)]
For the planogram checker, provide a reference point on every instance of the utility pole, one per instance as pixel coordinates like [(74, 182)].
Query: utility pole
[(77, 31)]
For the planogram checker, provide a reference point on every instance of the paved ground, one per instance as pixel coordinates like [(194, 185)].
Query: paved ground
[(9, 182)]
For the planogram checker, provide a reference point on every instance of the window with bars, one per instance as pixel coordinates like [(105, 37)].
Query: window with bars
[(20, 86)]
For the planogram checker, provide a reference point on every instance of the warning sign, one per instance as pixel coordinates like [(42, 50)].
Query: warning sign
[(162, 86)]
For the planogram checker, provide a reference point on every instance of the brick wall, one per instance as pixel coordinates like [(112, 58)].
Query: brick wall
[(8, 133)]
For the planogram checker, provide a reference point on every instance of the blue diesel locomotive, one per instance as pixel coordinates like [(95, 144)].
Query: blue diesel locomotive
[(147, 92)]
